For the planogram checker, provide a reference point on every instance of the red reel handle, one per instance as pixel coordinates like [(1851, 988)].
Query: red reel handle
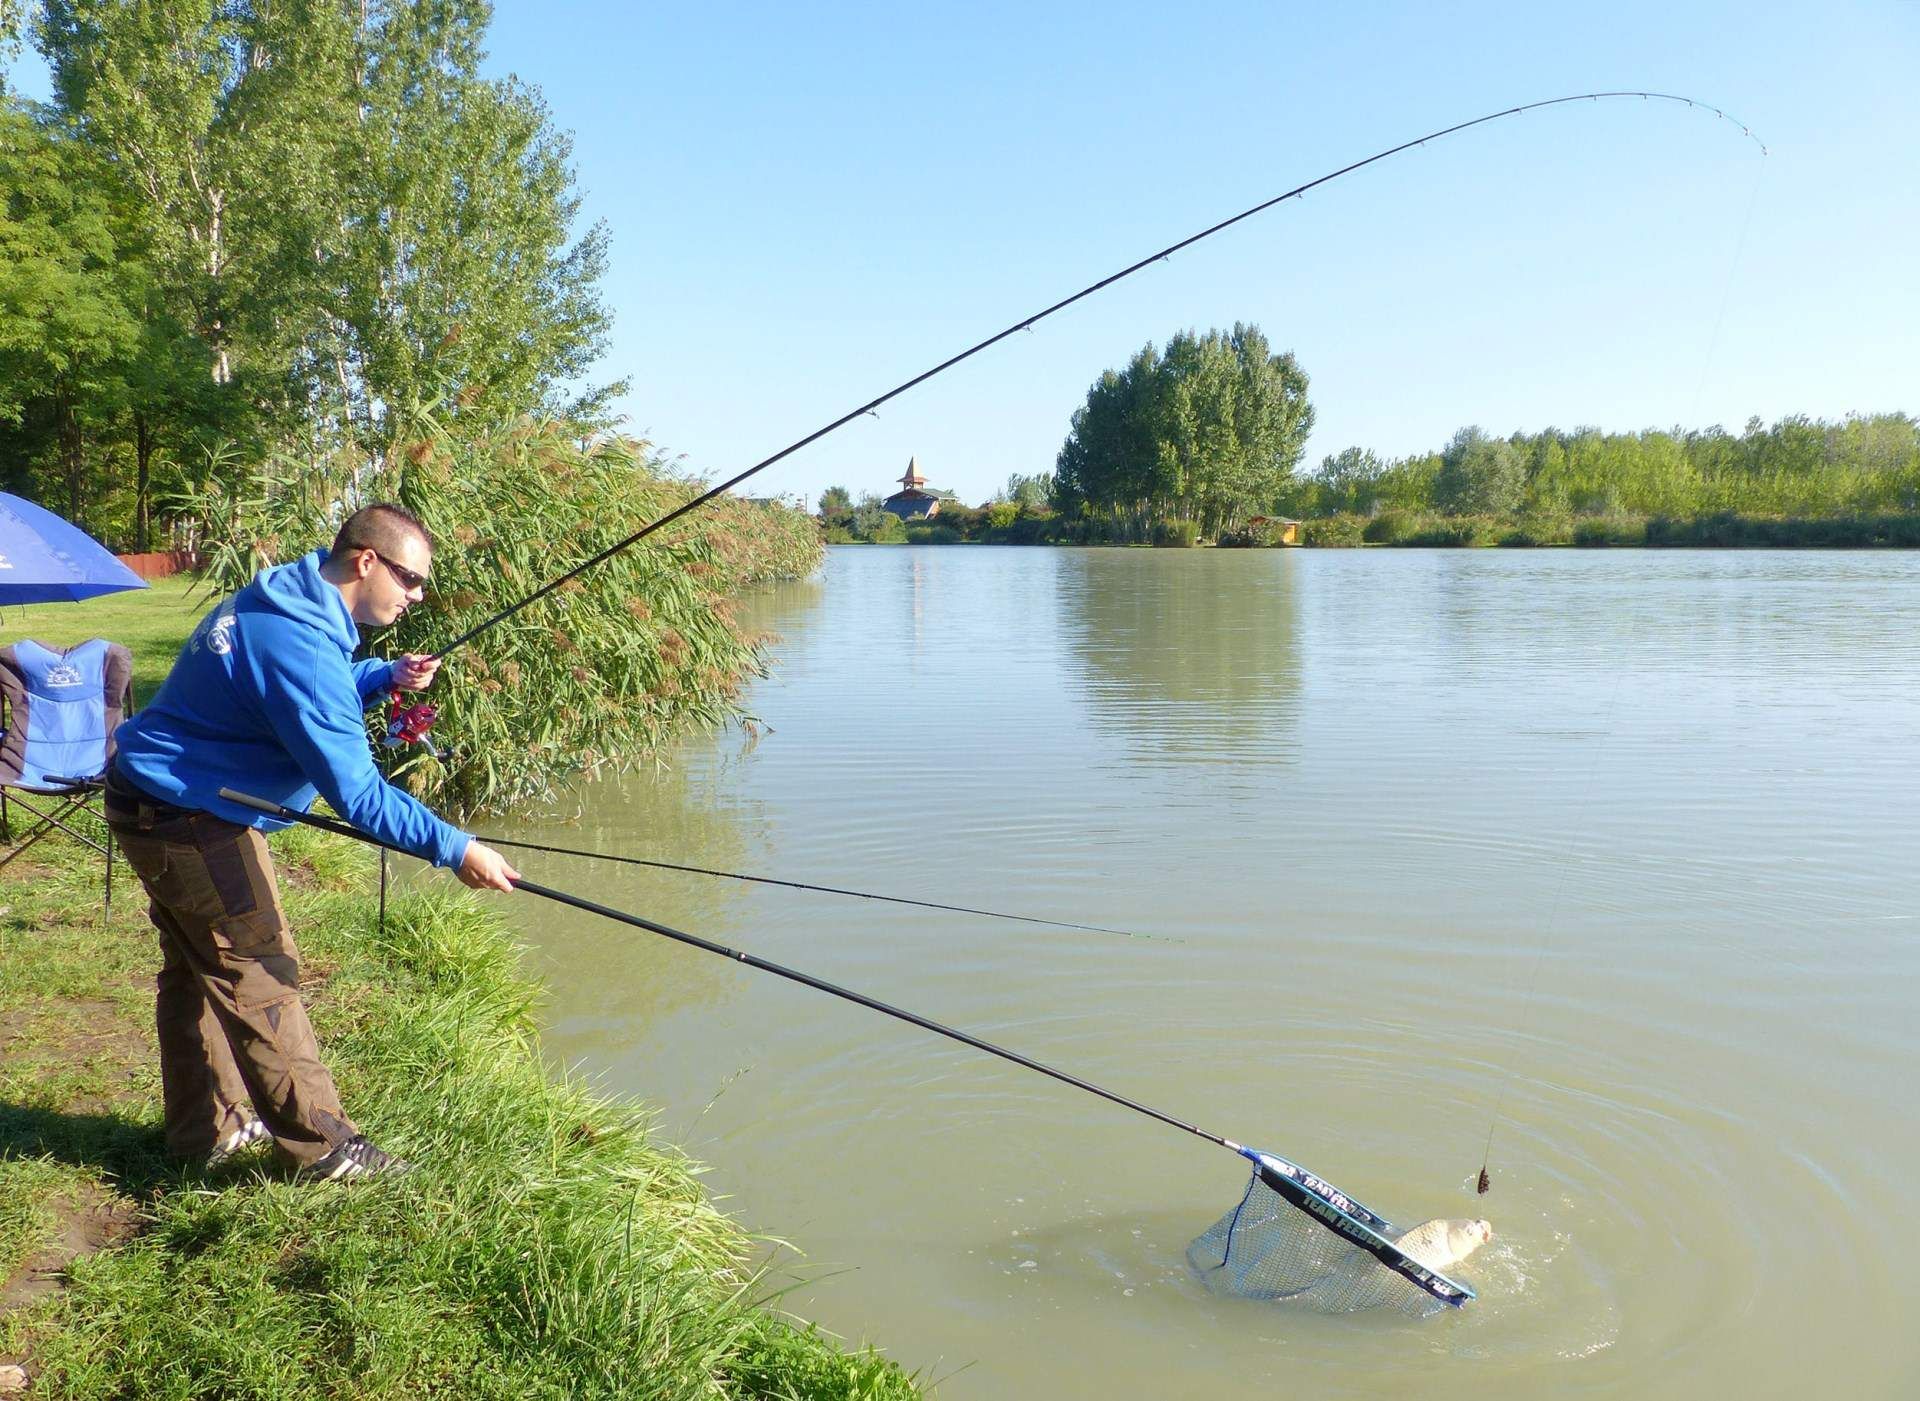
[(409, 724)]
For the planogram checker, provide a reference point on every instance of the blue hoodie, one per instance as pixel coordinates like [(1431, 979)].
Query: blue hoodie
[(266, 699)]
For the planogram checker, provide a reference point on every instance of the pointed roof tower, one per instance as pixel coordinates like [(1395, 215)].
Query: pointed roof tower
[(913, 478)]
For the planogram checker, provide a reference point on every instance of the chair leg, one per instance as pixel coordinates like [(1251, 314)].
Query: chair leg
[(63, 818), (58, 820)]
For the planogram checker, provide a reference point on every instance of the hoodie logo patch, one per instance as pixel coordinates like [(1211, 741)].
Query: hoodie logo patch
[(217, 632)]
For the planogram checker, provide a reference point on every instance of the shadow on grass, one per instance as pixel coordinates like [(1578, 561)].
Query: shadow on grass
[(131, 1155)]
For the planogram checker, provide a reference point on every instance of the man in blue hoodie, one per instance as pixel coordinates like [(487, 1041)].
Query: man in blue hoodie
[(266, 699)]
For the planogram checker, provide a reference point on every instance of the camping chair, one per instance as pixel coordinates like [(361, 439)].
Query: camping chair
[(61, 708)]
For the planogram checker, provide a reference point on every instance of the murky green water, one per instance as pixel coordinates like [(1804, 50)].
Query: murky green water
[(1618, 845)]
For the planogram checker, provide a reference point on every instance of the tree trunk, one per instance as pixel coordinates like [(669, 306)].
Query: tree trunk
[(216, 266), (143, 483), (73, 453)]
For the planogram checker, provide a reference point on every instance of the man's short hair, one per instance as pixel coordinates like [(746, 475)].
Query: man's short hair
[(382, 527)]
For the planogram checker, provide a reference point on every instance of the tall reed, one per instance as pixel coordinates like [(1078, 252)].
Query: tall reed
[(598, 674)]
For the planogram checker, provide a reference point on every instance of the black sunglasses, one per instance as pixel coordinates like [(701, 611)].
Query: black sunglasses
[(407, 579)]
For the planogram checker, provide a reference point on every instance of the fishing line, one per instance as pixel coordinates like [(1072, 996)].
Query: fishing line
[(819, 889), (1484, 1183), (1360, 1229), (1027, 323), (1726, 292)]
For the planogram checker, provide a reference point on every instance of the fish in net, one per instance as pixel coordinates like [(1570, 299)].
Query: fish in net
[(1298, 1238)]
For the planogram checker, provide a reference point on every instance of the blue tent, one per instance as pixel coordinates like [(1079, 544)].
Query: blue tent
[(43, 559)]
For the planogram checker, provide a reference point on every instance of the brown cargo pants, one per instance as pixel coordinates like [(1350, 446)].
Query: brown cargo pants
[(232, 1026)]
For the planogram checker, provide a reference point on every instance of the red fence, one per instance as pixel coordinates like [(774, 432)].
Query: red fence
[(158, 564)]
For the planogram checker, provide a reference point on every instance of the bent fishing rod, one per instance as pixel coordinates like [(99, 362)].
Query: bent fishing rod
[(1331, 1208), (802, 885), (1027, 323)]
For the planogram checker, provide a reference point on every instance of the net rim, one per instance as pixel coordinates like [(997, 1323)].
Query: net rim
[(1348, 1219)]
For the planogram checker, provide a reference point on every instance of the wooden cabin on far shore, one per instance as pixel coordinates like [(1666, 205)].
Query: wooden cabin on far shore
[(1284, 528)]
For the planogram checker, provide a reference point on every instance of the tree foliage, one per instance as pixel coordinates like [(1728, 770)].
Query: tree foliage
[(1207, 431), (1479, 475), (93, 357), (1861, 465), (301, 226), (1028, 494)]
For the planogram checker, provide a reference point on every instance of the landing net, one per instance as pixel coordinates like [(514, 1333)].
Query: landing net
[(1296, 1238)]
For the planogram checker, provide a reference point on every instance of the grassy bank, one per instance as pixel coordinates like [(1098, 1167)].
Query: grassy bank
[(546, 1246)]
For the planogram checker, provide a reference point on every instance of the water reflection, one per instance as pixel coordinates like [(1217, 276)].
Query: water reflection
[(1189, 654), (636, 978), (772, 609), (1614, 849)]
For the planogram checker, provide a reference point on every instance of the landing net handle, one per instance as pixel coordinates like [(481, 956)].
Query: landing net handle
[(1321, 1200), (1352, 1222)]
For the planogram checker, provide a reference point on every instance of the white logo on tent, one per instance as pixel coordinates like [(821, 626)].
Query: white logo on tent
[(5, 563)]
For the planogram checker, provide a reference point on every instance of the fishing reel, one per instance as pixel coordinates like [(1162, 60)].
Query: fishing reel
[(412, 724)]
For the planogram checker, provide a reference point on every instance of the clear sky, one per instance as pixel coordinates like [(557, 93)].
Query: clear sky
[(810, 203)]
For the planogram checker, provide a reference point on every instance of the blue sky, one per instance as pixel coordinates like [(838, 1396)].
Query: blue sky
[(809, 204)]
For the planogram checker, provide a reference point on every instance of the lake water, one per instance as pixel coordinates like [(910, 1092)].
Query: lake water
[(1611, 854)]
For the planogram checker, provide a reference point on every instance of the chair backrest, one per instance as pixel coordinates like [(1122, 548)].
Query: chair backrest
[(62, 709)]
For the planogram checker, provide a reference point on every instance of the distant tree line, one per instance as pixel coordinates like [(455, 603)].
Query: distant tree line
[(1797, 481), (1201, 442), (1863, 464), (1020, 513)]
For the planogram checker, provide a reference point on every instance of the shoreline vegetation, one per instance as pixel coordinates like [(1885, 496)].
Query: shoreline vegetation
[(1435, 530), (594, 677), (549, 1246)]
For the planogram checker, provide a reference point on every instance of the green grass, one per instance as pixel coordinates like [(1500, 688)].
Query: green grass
[(150, 622), (547, 1247)]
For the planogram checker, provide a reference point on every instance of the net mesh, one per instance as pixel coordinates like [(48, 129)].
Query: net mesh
[(1275, 1247)]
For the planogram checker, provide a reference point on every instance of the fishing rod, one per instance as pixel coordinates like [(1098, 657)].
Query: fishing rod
[(1330, 1207), (801, 885), (1027, 323)]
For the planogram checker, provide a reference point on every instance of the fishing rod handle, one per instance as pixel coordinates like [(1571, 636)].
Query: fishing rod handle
[(247, 800)]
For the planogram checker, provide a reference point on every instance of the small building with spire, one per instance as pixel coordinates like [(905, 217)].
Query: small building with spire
[(915, 498)]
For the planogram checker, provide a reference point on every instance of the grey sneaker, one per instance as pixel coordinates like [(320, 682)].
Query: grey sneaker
[(354, 1159), (248, 1134)]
